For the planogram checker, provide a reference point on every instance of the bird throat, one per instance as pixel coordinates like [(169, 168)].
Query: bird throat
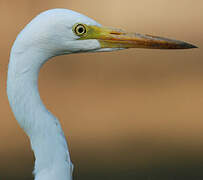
[(43, 129)]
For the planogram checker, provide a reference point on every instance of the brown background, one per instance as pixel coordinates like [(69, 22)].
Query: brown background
[(134, 114)]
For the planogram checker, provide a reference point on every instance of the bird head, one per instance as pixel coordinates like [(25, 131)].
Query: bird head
[(62, 31)]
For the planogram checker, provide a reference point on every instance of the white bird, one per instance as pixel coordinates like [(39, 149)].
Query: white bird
[(52, 33)]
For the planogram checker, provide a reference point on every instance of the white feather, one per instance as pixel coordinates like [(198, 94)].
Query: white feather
[(49, 34)]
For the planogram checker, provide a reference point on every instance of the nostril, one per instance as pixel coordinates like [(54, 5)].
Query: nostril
[(116, 33)]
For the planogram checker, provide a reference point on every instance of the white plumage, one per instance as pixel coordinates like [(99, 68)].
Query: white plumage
[(50, 34)]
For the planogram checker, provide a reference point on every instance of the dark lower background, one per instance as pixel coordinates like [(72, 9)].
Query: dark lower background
[(168, 170), (134, 114)]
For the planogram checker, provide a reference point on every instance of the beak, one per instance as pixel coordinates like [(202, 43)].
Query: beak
[(116, 38)]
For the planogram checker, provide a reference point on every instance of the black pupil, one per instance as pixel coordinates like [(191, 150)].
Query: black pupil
[(80, 29)]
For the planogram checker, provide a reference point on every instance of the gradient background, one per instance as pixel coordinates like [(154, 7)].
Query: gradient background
[(133, 114)]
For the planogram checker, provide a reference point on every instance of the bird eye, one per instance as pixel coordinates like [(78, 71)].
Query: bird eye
[(80, 29)]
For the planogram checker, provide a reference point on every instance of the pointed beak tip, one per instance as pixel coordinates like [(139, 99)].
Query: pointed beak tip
[(189, 46)]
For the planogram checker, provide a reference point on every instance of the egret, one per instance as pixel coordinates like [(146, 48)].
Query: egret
[(52, 33)]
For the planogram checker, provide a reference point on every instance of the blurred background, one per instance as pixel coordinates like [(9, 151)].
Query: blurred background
[(133, 114)]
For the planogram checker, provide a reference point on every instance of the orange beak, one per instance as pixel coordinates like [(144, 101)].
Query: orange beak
[(115, 38)]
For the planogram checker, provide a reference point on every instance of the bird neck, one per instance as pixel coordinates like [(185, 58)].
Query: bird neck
[(43, 129)]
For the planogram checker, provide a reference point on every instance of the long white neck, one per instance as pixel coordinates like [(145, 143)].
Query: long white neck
[(44, 130)]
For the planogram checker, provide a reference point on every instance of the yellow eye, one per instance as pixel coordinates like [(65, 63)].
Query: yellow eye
[(80, 29)]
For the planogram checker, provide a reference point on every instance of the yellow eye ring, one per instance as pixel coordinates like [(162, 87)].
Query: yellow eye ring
[(80, 29)]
